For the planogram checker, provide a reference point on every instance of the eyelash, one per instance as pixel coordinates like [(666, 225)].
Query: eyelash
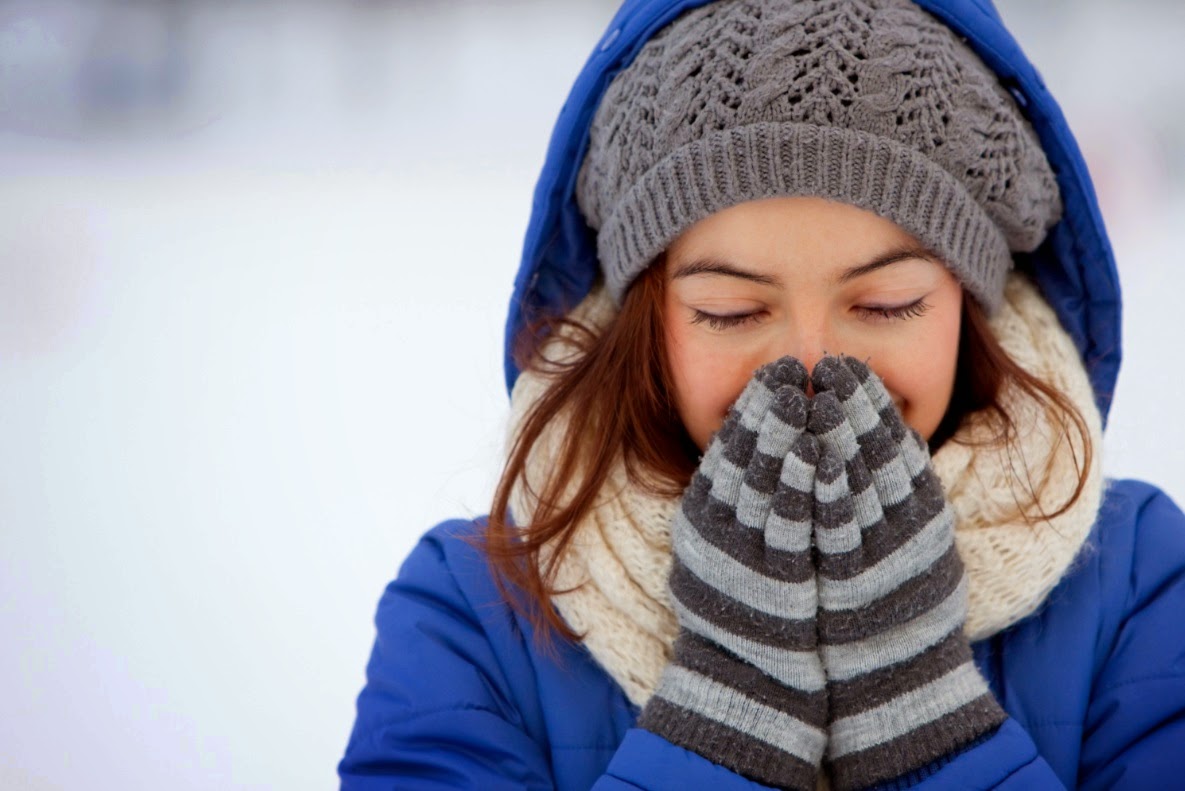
[(903, 313), (723, 322)]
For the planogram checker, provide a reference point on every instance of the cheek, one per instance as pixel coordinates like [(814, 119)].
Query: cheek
[(921, 378), (706, 383)]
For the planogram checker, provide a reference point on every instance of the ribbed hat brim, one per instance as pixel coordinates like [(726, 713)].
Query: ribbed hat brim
[(763, 160)]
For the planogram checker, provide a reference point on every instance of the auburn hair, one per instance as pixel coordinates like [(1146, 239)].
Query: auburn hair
[(615, 398)]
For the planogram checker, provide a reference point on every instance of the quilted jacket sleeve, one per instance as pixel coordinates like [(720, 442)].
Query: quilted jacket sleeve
[(438, 706), (1135, 728), (451, 697)]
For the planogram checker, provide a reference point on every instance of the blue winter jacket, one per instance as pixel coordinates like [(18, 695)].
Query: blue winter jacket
[(459, 696)]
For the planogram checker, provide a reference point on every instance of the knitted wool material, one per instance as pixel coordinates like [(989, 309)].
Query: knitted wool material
[(745, 686), (902, 688), (870, 102), (618, 563)]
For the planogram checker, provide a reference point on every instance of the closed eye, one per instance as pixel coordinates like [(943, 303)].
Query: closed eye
[(893, 313), (725, 322)]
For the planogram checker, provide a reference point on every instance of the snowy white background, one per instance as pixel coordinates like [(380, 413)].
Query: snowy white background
[(254, 262)]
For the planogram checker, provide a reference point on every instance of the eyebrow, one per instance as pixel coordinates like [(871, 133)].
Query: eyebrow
[(711, 266), (892, 257)]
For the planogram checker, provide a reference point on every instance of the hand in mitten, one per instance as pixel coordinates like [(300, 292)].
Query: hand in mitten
[(745, 686), (902, 687)]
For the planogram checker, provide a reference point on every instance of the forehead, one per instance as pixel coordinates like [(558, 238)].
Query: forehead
[(796, 235)]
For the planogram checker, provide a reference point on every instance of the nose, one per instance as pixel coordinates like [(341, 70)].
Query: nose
[(809, 343), (808, 335)]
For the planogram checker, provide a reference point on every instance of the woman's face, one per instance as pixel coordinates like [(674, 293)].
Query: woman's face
[(807, 277)]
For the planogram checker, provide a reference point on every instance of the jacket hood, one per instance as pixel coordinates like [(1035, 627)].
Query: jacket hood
[(1074, 267)]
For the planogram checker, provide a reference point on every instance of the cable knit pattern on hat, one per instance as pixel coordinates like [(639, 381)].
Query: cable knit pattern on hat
[(870, 102), (620, 557)]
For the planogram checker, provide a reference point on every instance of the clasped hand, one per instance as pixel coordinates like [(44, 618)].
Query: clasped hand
[(819, 593)]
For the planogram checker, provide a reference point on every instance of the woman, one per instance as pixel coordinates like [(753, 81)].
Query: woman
[(814, 334)]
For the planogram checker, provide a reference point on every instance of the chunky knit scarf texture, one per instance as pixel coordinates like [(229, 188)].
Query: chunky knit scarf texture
[(616, 566)]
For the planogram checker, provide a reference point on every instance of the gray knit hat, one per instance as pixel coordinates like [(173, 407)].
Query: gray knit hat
[(870, 102)]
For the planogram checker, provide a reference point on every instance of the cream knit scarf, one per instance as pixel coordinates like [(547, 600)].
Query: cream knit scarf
[(617, 563)]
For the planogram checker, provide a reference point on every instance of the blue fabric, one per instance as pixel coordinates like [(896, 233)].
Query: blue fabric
[(459, 696), (1075, 267)]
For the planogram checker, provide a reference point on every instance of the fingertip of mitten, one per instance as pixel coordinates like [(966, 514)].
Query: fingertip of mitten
[(783, 371), (791, 406), (825, 413), (806, 448), (831, 374)]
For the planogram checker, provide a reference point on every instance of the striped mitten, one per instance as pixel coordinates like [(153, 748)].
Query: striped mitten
[(745, 686), (903, 690)]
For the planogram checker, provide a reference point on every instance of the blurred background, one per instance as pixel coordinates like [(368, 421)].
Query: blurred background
[(254, 261)]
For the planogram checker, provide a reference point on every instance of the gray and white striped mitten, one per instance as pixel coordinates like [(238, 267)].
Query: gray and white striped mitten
[(745, 687), (903, 689)]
